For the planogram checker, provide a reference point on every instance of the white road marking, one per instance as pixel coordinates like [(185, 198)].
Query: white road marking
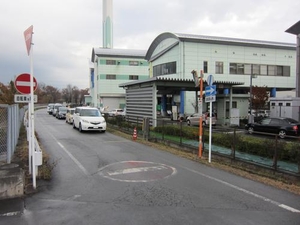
[(111, 174), (74, 159), (291, 209), (136, 170), (71, 156)]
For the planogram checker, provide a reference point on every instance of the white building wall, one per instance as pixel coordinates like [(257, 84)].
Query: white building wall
[(108, 91), (197, 53)]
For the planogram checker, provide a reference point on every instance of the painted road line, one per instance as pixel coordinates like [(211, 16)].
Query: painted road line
[(74, 159), (291, 209), (81, 167), (137, 170)]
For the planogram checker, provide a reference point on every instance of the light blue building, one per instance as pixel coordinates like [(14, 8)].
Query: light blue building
[(111, 68), (232, 61)]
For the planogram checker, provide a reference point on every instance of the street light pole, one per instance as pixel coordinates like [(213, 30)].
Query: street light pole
[(251, 97), (201, 115), (199, 82)]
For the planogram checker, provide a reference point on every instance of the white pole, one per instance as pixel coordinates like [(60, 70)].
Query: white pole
[(29, 138), (210, 131), (32, 120)]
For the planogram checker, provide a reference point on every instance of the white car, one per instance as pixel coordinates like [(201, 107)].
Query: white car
[(116, 112), (69, 115), (88, 118), (50, 108), (55, 107)]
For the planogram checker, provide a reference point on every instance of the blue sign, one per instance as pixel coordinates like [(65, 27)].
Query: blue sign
[(210, 90)]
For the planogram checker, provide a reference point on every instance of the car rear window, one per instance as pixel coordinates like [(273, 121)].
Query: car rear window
[(291, 120)]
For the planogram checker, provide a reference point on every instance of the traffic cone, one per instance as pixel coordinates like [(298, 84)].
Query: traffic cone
[(134, 136)]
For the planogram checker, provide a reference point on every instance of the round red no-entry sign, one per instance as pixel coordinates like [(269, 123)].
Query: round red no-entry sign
[(22, 83)]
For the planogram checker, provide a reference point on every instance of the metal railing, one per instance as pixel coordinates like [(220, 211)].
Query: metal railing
[(263, 150), (11, 117)]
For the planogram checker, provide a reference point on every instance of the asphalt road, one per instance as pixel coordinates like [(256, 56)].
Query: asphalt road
[(100, 178)]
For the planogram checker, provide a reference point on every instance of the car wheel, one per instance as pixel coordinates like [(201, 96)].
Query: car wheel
[(250, 130), (80, 128), (188, 123), (282, 134)]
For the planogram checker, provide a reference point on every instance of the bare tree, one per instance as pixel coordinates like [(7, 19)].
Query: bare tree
[(75, 92), (7, 93), (67, 93), (53, 94), (83, 92)]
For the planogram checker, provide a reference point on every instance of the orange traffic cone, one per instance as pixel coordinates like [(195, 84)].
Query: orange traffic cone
[(134, 136)]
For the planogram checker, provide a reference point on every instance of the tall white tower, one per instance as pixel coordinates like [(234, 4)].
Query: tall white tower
[(107, 24)]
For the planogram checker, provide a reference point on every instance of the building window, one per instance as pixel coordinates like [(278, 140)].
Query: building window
[(279, 70), (133, 63), (250, 69), (255, 69), (234, 105), (233, 68), (133, 77), (240, 68), (219, 67), (271, 70), (110, 62), (110, 77), (205, 67), (263, 70), (286, 71), (164, 69)]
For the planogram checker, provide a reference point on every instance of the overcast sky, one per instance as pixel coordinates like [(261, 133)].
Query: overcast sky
[(66, 31)]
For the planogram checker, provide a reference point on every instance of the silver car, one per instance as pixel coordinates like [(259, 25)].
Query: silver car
[(193, 120)]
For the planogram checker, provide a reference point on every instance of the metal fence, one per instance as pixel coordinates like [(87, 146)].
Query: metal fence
[(263, 150), (11, 117)]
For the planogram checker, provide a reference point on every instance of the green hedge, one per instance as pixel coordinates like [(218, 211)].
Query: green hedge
[(288, 151)]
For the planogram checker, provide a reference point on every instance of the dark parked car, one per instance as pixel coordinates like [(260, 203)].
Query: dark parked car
[(281, 126), (61, 112)]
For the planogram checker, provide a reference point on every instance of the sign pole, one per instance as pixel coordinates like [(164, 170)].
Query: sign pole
[(32, 120), (210, 131), (210, 96), (28, 33)]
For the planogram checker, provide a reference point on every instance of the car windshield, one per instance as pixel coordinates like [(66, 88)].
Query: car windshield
[(90, 112)]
